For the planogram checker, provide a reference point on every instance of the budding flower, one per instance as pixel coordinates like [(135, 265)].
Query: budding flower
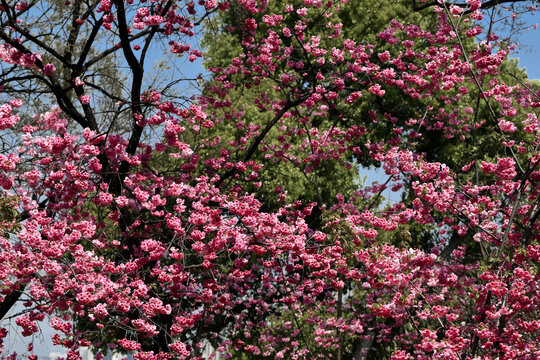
[(49, 69), (85, 99)]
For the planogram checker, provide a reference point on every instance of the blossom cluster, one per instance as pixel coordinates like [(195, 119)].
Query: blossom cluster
[(159, 248)]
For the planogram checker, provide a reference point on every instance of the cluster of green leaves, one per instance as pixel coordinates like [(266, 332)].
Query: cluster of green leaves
[(9, 216)]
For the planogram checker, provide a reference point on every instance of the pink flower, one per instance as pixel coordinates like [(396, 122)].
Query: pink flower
[(400, 355), (385, 56), (142, 12), (129, 345), (85, 99), (7, 119), (474, 4), (376, 90), (507, 126), (16, 103), (456, 10), (250, 24), (78, 82), (105, 198), (180, 348), (49, 69), (153, 20)]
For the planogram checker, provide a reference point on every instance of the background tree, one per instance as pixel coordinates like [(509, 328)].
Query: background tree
[(224, 41)]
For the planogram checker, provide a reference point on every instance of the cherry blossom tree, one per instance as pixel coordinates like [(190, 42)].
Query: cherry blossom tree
[(142, 226)]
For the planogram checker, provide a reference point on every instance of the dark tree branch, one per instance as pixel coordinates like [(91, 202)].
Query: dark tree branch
[(103, 91), (64, 102), (12, 21), (9, 301), (486, 5), (138, 72), (109, 51), (259, 138), (19, 78), (88, 45)]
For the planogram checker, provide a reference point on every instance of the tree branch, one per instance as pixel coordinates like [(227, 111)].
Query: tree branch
[(257, 140)]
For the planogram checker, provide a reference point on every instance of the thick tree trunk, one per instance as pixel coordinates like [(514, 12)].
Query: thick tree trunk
[(9, 301)]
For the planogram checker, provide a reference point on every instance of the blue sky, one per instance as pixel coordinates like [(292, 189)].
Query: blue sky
[(529, 54)]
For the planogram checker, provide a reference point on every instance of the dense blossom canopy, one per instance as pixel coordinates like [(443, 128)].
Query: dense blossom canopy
[(144, 224)]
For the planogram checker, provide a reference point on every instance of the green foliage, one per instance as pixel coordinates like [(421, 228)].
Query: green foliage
[(9, 216), (363, 22)]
